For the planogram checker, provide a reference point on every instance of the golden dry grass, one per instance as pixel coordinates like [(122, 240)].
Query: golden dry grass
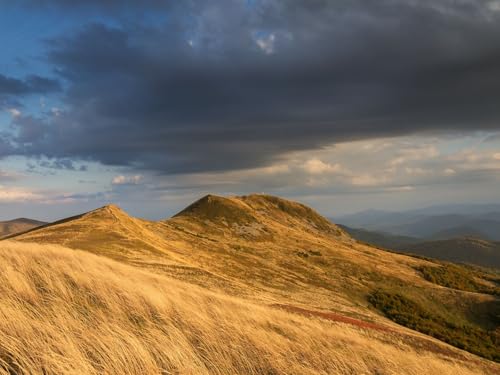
[(70, 312)]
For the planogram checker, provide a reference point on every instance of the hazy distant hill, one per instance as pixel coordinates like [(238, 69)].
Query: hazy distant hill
[(472, 249), (275, 254), (434, 222), (458, 232), (385, 240), (453, 224), (465, 250), (18, 225)]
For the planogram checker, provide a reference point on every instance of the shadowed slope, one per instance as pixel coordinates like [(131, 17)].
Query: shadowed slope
[(69, 312), (18, 225), (464, 250)]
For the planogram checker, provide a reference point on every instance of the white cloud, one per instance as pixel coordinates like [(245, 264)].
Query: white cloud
[(14, 112), (55, 111), (368, 180), (127, 180), (275, 169), (266, 44), (417, 153), (416, 171), (449, 172), (17, 195), (316, 166), (399, 188), (494, 6)]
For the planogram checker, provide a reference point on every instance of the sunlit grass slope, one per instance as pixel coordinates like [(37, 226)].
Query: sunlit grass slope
[(70, 312), (271, 250)]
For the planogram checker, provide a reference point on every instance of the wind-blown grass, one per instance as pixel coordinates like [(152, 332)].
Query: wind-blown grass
[(70, 312)]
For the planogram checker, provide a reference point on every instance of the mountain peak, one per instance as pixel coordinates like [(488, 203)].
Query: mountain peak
[(257, 209), (108, 209), (280, 207), (213, 207)]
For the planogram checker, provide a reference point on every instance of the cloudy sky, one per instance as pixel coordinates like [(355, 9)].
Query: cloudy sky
[(342, 104)]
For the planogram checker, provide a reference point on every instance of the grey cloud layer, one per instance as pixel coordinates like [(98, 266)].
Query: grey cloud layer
[(31, 85), (13, 88), (197, 93)]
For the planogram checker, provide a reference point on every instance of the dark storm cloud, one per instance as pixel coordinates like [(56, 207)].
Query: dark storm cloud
[(234, 84), (62, 164), (33, 84), (12, 89), (96, 3)]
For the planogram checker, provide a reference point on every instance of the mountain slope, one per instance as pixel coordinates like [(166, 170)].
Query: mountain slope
[(70, 312), (470, 249), (437, 223), (106, 231), (270, 250), (459, 232), (18, 225), (463, 250), (385, 240)]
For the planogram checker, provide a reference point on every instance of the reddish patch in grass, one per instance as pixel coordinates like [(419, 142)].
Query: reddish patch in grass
[(418, 343), (335, 318)]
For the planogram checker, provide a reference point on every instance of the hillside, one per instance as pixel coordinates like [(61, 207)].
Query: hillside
[(470, 249), (70, 312), (268, 250), (462, 250), (18, 225), (382, 239), (435, 223), (106, 231)]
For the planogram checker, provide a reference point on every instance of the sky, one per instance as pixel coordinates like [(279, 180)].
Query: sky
[(344, 105)]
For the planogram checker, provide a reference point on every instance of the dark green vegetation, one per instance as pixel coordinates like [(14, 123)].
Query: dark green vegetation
[(411, 314), (461, 278)]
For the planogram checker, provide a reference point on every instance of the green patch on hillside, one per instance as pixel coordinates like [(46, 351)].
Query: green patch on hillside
[(458, 277), (411, 314)]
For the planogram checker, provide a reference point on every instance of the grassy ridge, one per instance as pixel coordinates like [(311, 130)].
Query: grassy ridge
[(70, 312), (268, 249)]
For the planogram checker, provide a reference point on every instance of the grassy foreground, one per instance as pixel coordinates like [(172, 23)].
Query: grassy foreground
[(69, 312)]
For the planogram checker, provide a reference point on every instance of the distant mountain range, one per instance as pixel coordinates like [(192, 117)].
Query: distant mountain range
[(462, 250), (433, 223), (472, 250), (18, 225), (463, 234)]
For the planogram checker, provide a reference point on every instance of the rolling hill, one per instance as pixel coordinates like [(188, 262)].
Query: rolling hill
[(462, 250), (18, 225), (71, 312), (431, 223), (270, 253), (470, 249), (382, 239)]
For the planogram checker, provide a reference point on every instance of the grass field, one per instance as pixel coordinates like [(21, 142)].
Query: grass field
[(70, 312), (276, 257)]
